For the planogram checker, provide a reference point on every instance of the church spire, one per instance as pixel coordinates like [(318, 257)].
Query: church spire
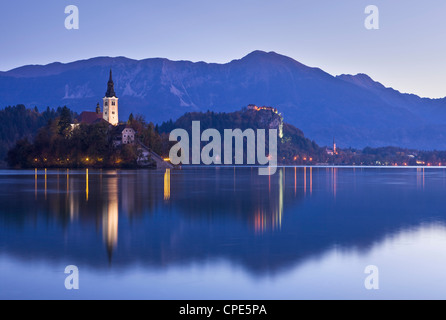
[(110, 87)]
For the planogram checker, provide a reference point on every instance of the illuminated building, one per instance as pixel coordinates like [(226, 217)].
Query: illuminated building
[(110, 109), (276, 123), (256, 108), (110, 103)]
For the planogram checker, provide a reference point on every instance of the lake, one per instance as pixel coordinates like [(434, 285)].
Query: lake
[(223, 233)]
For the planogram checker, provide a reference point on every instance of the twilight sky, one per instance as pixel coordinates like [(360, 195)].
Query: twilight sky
[(407, 53)]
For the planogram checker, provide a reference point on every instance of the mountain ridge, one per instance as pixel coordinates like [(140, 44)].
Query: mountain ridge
[(355, 109)]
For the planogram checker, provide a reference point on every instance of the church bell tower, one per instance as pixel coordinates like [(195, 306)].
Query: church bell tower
[(110, 108)]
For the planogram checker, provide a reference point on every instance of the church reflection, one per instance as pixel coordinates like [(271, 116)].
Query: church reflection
[(110, 215), (117, 192), (160, 218), (104, 198)]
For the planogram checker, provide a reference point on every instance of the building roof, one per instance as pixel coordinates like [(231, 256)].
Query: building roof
[(89, 117), (110, 87), (120, 128)]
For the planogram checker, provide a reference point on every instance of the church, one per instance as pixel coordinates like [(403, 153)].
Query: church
[(120, 133), (110, 104), (123, 134)]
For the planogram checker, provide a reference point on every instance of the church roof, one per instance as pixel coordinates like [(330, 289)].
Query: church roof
[(89, 117), (110, 87)]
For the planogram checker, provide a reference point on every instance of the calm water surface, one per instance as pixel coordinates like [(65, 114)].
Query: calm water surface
[(223, 233)]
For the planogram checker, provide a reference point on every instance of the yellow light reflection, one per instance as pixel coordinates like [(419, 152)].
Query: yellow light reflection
[(35, 183), (110, 216), (86, 189), (167, 185), (260, 222), (271, 218), (46, 184)]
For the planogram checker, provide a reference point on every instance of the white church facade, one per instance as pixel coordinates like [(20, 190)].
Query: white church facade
[(110, 104), (122, 133)]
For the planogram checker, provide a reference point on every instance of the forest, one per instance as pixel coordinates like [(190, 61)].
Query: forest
[(33, 139), (18, 122), (60, 145)]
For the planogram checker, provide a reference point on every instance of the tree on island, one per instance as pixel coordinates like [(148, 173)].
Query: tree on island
[(18, 123), (59, 144)]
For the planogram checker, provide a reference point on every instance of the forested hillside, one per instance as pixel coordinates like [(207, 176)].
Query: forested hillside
[(18, 122)]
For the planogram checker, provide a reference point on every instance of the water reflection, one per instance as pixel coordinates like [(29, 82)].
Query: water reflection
[(267, 224), (335, 181), (271, 218), (167, 185), (35, 183), (86, 182), (46, 184), (110, 215), (311, 180), (420, 178), (307, 180)]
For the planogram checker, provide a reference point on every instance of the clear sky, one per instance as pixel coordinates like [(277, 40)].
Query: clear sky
[(407, 53)]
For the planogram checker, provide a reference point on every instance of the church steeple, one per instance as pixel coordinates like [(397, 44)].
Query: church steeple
[(110, 87), (110, 110)]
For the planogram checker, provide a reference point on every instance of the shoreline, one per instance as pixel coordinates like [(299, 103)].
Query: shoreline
[(223, 167)]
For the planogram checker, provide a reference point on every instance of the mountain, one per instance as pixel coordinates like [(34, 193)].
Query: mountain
[(356, 110)]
